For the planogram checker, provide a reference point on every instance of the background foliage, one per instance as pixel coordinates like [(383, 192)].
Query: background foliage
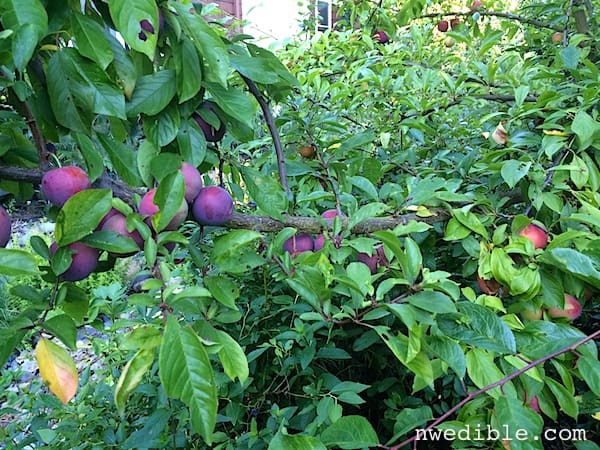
[(232, 343)]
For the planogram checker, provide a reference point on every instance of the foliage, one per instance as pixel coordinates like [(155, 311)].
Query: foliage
[(459, 138)]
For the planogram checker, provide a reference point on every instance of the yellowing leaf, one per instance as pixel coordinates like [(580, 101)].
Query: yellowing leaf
[(57, 369), (555, 133), (334, 146), (422, 211), (596, 416)]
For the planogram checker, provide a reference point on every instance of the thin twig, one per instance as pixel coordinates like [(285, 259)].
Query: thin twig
[(270, 121), (498, 383)]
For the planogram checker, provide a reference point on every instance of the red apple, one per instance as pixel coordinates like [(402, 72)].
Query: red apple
[(84, 261), (298, 243), (149, 208), (193, 181), (535, 234), (58, 185), (571, 311), (5, 227), (213, 206)]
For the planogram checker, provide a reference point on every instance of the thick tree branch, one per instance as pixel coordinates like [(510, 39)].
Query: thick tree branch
[(504, 15), (270, 121), (498, 383)]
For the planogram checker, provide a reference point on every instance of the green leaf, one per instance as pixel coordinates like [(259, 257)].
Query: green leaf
[(231, 355), (152, 93), (186, 374), (127, 15), (17, 262), (589, 368), (565, 399), (570, 260), (123, 159), (265, 191), (223, 290), (169, 198), (77, 218), (365, 185), (132, 376), (513, 171), (478, 326), (75, 302), (350, 432), (111, 242), (514, 417), (91, 40), (23, 45), (366, 212), (188, 69), (570, 57), (284, 441), (483, 371), (586, 128), (63, 327), (450, 352), (209, 44), (16, 13), (234, 102), (191, 142), (10, 338), (470, 220), (410, 418), (432, 301), (91, 155), (542, 337)]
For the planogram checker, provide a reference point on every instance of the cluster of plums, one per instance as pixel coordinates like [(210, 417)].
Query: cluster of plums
[(539, 238), (210, 205), (304, 242)]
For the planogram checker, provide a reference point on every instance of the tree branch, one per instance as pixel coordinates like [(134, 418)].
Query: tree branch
[(504, 15), (498, 383), (270, 121)]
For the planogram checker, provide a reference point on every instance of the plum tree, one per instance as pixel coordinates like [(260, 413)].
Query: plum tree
[(299, 243), (213, 206), (60, 184), (193, 181), (211, 132), (84, 261), (5, 227), (148, 208)]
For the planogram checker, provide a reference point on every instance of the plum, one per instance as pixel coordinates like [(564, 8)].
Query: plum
[(373, 261), (5, 227), (299, 243), (60, 184), (84, 261), (535, 234), (118, 224), (149, 208), (211, 134), (571, 311), (213, 206), (192, 180)]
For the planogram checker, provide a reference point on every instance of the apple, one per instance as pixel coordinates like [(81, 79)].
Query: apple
[(84, 261), (477, 4), (192, 180), (211, 134), (381, 37), (149, 208), (5, 227), (489, 287), (535, 234), (213, 206), (571, 310), (443, 26), (299, 243), (60, 184), (307, 151)]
